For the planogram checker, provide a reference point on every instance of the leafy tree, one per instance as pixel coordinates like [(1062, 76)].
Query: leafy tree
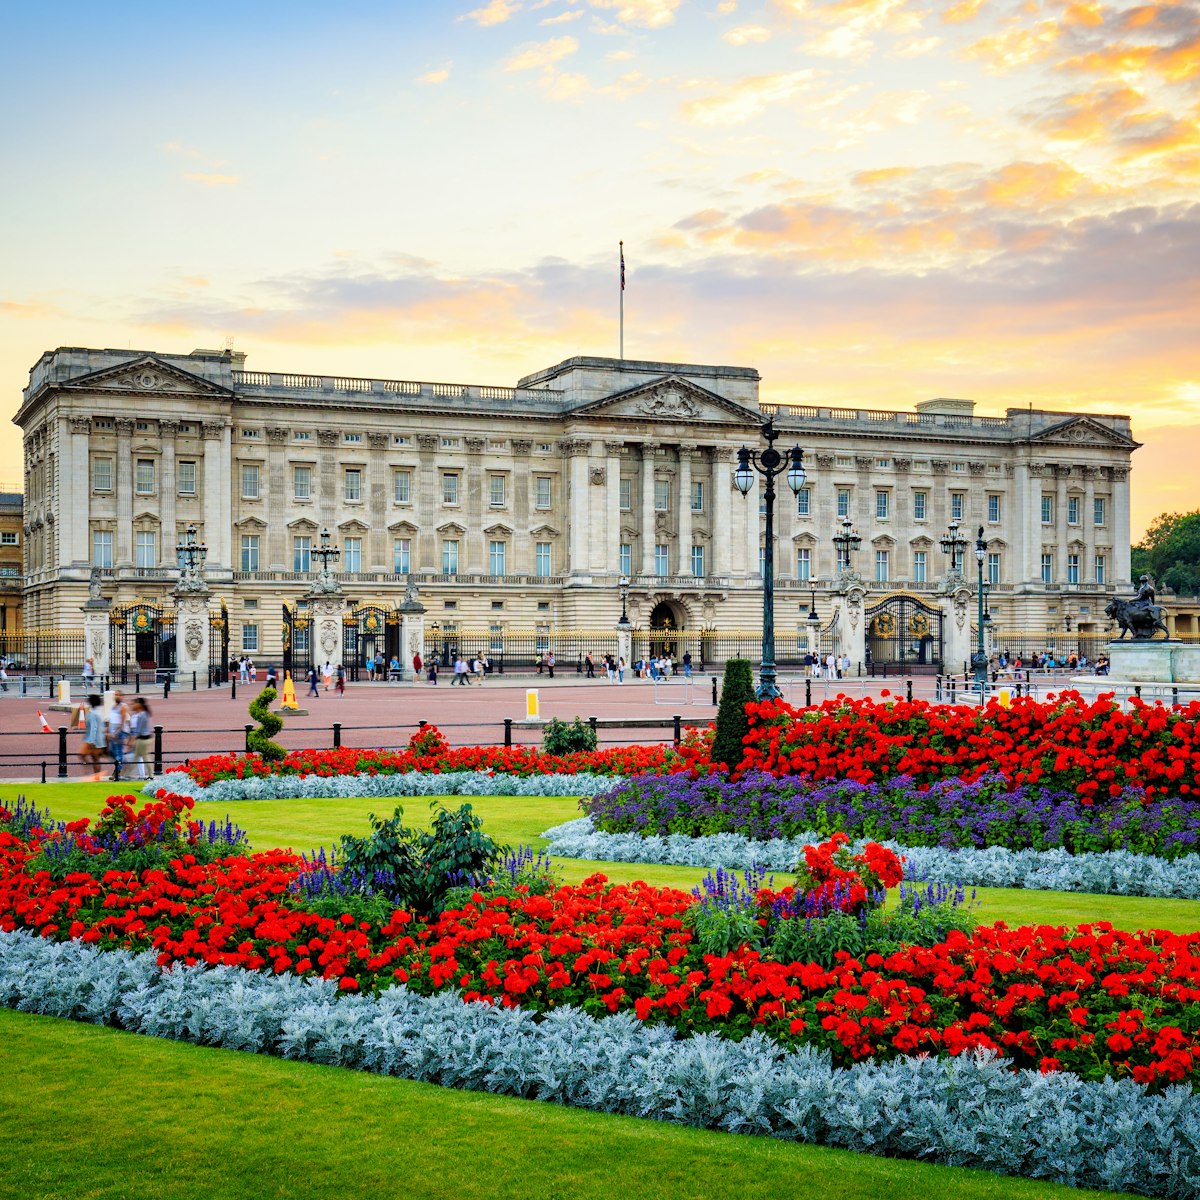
[(269, 724), (1170, 552), (732, 723), (563, 737)]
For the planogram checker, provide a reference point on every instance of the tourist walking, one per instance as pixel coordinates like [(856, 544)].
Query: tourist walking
[(590, 664), (243, 669), (327, 674), (272, 678), (92, 747), (687, 664), (139, 734), (89, 674), (339, 686), (433, 670), (620, 670), (418, 665), (550, 663), (313, 679), (116, 727), (477, 669), (460, 673)]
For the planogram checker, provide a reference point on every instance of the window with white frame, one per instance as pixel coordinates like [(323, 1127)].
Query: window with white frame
[(1072, 568), (497, 551), (1047, 509), (920, 566), (660, 560), (882, 565), (843, 502), (804, 564), (102, 474), (302, 552), (993, 505), (698, 561), (352, 484), (496, 490), (449, 487), (402, 556), (662, 495), (993, 569), (920, 500), (146, 550), (450, 556), (251, 481), (1072, 510), (958, 502), (541, 559), (1098, 512), (402, 487), (250, 636), (625, 490), (697, 495), (102, 548), (804, 502), (762, 561), (495, 639), (250, 547), (144, 479), (352, 554), (883, 505), (186, 475), (1101, 565), (9, 537), (625, 558), (352, 438), (1047, 568), (542, 491)]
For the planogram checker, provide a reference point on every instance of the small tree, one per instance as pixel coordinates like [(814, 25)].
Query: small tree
[(732, 724), (563, 737), (269, 724)]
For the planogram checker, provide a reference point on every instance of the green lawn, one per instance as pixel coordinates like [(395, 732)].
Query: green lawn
[(306, 824), (93, 1114)]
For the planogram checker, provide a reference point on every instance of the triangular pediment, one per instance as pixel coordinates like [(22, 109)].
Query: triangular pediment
[(303, 525), (1083, 431), (406, 527), (671, 398), (352, 526), (499, 529), (250, 523), (147, 375), (543, 528)]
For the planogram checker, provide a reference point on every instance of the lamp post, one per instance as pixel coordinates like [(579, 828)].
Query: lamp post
[(979, 659), (846, 543), (769, 464), (325, 553), (953, 543), (623, 584), (190, 555)]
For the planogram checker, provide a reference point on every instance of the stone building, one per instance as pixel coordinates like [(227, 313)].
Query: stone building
[(11, 573), (515, 511)]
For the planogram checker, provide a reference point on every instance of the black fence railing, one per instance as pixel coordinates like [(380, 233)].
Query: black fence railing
[(43, 651)]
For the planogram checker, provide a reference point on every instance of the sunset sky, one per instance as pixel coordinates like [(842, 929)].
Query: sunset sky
[(872, 201)]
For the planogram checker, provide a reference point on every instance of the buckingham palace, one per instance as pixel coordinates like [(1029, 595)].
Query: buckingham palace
[(594, 484)]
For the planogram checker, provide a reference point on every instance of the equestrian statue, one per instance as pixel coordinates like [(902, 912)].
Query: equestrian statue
[(1139, 617)]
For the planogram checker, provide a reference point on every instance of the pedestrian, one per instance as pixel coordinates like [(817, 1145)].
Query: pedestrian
[(830, 667), (116, 728), (433, 670), (272, 677), (243, 669), (370, 665), (313, 680), (687, 664), (139, 734), (92, 746), (327, 674), (253, 670), (340, 686), (417, 665), (590, 663), (477, 669), (3, 678), (845, 671), (89, 674), (621, 670), (487, 664), (550, 663)]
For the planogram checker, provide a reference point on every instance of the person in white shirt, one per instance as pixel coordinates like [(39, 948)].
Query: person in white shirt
[(830, 667)]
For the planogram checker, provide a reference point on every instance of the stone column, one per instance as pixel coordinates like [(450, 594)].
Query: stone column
[(1062, 473), (1087, 523), (683, 565), (123, 551), (217, 531), (379, 492), (1120, 525), (326, 629), (521, 510), (76, 544), (647, 525), (579, 519), (192, 633), (625, 644), (475, 557), (1029, 523), (721, 485), (275, 554), (851, 623), (612, 505), (168, 536), (956, 627), (412, 633), (426, 553), (96, 630)]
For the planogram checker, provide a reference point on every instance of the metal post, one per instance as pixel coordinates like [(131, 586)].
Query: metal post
[(1137, 691), (193, 681), (952, 696), (908, 690), (714, 683), (808, 693), (1174, 697), (158, 757), (232, 686), (337, 735), (43, 770), (766, 674), (594, 723), (508, 731), (249, 728), (137, 683), (62, 752), (678, 734), (166, 685)]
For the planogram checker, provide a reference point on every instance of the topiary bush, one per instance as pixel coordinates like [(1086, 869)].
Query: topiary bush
[(737, 691), (573, 737), (269, 724)]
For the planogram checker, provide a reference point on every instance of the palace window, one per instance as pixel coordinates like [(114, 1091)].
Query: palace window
[(146, 550), (352, 554), (1047, 509), (698, 561), (402, 487), (542, 493), (957, 505), (660, 560), (883, 504), (1072, 568), (449, 487), (302, 483), (541, 559), (496, 557), (993, 569), (697, 495), (302, 553), (626, 494), (920, 500), (450, 556), (919, 566), (662, 495), (250, 637), (882, 559), (187, 478), (804, 564), (102, 474), (144, 481), (251, 482), (352, 484), (402, 556), (250, 544), (1047, 568), (1072, 510), (9, 537), (993, 502), (625, 559), (496, 489), (1101, 563), (843, 502), (102, 548), (352, 438), (804, 502), (1098, 512)]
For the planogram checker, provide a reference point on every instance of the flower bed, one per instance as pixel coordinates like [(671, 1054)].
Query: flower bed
[(972, 1111), (1093, 1001), (946, 813), (1096, 749)]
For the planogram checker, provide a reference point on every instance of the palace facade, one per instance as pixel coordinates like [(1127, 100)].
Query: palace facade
[(520, 508)]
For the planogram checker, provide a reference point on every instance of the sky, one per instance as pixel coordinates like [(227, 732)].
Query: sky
[(873, 202)]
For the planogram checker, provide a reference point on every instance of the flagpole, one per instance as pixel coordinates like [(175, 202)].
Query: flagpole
[(621, 337)]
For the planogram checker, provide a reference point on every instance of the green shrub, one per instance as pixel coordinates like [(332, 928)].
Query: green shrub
[(269, 724), (574, 737), (732, 724)]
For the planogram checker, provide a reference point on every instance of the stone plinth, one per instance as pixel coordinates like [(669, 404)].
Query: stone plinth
[(1154, 662)]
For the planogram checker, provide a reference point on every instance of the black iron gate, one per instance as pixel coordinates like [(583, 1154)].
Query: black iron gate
[(904, 636), (218, 646), (369, 632), (297, 642), (141, 637)]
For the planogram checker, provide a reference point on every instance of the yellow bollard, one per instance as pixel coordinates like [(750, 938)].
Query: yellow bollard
[(1004, 695), (532, 709)]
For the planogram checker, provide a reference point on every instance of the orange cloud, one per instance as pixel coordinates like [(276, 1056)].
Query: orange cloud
[(494, 13), (536, 55), (746, 98), (211, 180)]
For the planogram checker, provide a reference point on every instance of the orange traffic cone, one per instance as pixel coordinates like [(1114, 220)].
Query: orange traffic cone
[(44, 723)]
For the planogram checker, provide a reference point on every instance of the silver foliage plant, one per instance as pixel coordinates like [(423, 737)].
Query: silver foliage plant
[(408, 783), (971, 1111), (1113, 871)]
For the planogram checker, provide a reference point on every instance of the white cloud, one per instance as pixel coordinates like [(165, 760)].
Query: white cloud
[(438, 75), (742, 35), (746, 98), (534, 56), (494, 13)]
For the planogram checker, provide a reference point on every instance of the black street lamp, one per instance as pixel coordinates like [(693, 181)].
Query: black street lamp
[(325, 554), (190, 553), (846, 543), (623, 584), (953, 543), (769, 463), (979, 659)]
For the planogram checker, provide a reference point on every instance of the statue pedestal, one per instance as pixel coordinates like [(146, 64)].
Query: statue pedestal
[(1161, 661)]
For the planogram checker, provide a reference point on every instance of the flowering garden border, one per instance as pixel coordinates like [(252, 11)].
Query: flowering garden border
[(970, 1111)]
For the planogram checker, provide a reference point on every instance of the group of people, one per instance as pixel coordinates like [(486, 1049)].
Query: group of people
[(832, 666), (247, 672), (329, 675), (613, 668), (662, 666), (123, 732)]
